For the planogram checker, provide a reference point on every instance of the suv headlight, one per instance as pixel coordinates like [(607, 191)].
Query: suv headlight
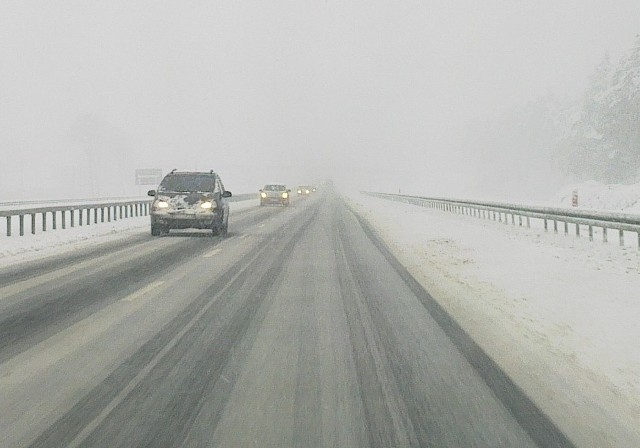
[(285, 195), (263, 195), (208, 205), (162, 204)]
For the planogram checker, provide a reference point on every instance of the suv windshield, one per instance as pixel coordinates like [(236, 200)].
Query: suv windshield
[(274, 188), (187, 183)]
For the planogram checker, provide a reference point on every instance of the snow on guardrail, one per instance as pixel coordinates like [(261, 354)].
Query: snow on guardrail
[(505, 212)]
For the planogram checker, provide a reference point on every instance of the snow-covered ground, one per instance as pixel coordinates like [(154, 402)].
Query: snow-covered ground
[(16, 248), (597, 196), (558, 313)]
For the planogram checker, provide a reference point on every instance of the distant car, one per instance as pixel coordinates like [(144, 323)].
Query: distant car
[(304, 190), (275, 194), (189, 199)]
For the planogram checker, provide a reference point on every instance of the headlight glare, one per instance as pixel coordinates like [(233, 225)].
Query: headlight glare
[(162, 204), (285, 195), (208, 205), (263, 195)]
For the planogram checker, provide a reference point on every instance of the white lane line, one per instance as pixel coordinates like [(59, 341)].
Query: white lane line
[(212, 253), (244, 236), (87, 430), (139, 293)]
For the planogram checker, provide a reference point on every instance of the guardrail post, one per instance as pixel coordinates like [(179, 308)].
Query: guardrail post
[(8, 225), (80, 217), (577, 229), (63, 216), (621, 234), (566, 228), (638, 233), (44, 221), (605, 238), (528, 223), (101, 214), (54, 220), (33, 223), (590, 232), (21, 225), (520, 220), (108, 214), (73, 217), (546, 225), (555, 226)]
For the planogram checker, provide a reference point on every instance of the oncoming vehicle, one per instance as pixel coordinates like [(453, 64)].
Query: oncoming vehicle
[(189, 199), (275, 194), (304, 190)]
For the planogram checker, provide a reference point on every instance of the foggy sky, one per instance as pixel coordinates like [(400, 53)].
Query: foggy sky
[(374, 94)]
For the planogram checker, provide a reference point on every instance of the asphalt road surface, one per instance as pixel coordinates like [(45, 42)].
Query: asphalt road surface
[(298, 330)]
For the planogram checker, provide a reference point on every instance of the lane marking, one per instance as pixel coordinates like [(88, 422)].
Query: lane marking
[(139, 293), (210, 254), (99, 261), (93, 424)]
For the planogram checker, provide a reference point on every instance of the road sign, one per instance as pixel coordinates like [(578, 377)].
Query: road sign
[(148, 176)]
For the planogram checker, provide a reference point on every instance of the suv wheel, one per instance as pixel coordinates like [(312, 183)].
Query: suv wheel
[(218, 228), (157, 230)]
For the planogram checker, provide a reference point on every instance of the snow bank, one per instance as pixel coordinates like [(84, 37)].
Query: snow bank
[(597, 196), (559, 314)]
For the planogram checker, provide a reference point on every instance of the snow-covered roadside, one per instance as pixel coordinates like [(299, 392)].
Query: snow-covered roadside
[(16, 249), (559, 314), (596, 196)]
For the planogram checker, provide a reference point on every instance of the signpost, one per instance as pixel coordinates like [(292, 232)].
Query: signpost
[(148, 176)]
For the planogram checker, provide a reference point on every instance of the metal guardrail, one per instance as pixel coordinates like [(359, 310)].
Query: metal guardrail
[(81, 212), (52, 202), (101, 212), (504, 212)]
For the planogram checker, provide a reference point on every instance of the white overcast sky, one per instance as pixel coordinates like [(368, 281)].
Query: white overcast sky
[(373, 91)]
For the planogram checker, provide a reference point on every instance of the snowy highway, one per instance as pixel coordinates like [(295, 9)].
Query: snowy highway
[(297, 330)]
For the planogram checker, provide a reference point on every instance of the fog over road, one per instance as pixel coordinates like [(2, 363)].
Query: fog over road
[(297, 330)]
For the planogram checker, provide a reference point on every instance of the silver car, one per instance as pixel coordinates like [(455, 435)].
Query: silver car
[(275, 194)]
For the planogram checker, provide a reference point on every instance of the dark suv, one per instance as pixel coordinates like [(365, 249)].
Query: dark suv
[(187, 199)]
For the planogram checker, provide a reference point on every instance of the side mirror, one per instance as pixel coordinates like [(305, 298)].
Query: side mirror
[(151, 193), (260, 190), (226, 194)]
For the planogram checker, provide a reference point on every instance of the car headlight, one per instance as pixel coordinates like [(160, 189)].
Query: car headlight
[(299, 191), (208, 205), (306, 191), (162, 204), (263, 195), (285, 195)]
